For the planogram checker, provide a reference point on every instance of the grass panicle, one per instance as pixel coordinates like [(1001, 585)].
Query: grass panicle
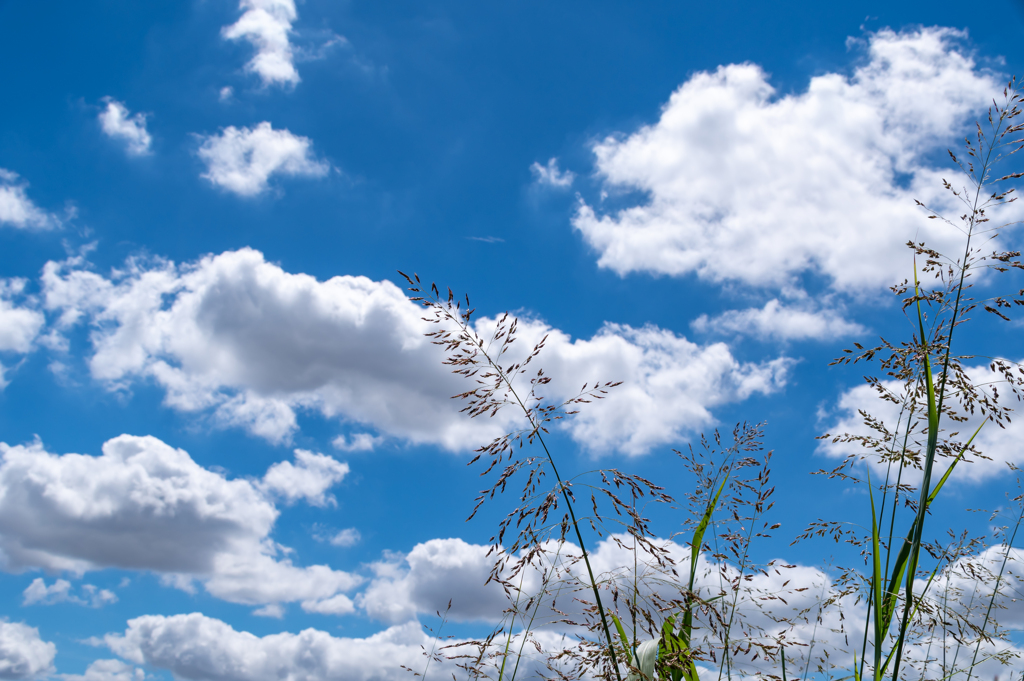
[(930, 606)]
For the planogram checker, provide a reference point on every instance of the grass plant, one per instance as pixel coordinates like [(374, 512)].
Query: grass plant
[(698, 616)]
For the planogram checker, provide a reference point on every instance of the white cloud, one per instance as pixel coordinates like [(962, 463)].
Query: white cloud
[(313, 475), (746, 186), (348, 537), (144, 505), (423, 581), (23, 655), (242, 160), (266, 24), (198, 647), (118, 123), (60, 592), (779, 321), (107, 670), (551, 175), (16, 209), (1001, 445), (250, 343), (357, 442), (337, 605), (19, 326)]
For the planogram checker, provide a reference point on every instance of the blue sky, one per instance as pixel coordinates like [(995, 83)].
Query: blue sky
[(219, 411)]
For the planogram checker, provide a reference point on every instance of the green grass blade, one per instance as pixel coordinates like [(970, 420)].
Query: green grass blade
[(876, 579), (698, 533), (695, 544), (625, 639), (889, 598)]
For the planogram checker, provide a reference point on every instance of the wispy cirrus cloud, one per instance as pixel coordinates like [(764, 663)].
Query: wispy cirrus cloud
[(550, 175)]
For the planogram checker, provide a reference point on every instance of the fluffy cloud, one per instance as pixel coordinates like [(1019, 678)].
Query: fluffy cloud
[(266, 24), (1000, 445), (19, 326), (772, 601), (118, 123), (107, 670), (60, 592), (241, 160), (424, 580), (23, 655), (16, 209), (198, 647), (779, 321), (251, 343), (746, 186), (551, 176), (348, 537), (144, 505), (309, 478)]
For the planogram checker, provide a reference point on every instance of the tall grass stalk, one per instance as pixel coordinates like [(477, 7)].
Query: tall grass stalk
[(474, 358), (727, 508)]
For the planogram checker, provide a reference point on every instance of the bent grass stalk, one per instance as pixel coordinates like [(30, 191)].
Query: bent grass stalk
[(466, 334)]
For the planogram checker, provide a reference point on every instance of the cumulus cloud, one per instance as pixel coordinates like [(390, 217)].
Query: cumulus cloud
[(266, 25), (777, 320), (1001, 446), (20, 321), (242, 160), (308, 478), (198, 647), (347, 537), (23, 655), (423, 581), (16, 209), (19, 325), (743, 185), (144, 505), (250, 343), (551, 176), (60, 592), (107, 670), (118, 123)]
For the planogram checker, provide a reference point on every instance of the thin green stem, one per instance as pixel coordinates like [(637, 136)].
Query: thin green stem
[(565, 495), (935, 410)]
